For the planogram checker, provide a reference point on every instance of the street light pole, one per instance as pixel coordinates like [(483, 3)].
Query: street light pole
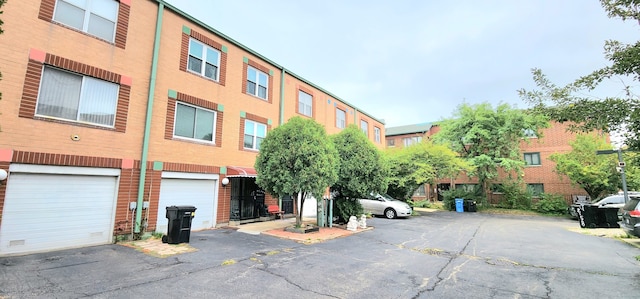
[(621, 165), (623, 176)]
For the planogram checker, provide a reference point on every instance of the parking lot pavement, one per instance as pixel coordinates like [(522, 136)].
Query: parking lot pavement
[(437, 255)]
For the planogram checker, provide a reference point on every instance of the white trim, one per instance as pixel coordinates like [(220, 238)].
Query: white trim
[(49, 169), (189, 175)]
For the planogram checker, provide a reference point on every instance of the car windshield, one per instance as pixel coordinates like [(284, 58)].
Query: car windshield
[(610, 200), (632, 204), (385, 197)]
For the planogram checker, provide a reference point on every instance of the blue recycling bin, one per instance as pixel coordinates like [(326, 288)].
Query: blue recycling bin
[(459, 205)]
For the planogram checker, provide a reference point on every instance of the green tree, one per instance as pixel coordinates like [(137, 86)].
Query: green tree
[(489, 139), (419, 164), (585, 114), (297, 159), (361, 170), (596, 174)]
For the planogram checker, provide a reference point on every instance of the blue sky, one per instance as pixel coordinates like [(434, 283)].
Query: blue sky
[(413, 61)]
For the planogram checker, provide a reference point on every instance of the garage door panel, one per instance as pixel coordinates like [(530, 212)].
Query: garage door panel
[(191, 192), (49, 211)]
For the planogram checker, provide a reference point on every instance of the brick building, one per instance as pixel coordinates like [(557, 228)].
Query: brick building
[(539, 173), (113, 110)]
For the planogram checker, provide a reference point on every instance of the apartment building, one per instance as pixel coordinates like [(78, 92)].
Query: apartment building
[(114, 110), (539, 174)]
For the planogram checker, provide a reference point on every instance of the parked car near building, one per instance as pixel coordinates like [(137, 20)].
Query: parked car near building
[(383, 204), (631, 216)]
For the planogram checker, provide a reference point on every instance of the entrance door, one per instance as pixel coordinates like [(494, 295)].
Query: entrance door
[(247, 199)]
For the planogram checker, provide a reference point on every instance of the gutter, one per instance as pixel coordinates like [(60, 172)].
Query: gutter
[(147, 125)]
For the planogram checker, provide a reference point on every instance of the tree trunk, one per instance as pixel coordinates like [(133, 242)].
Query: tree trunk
[(299, 217)]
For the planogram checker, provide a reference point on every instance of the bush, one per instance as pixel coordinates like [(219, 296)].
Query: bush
[(419, 204), (346, 207), (515, 197), (551, 204)]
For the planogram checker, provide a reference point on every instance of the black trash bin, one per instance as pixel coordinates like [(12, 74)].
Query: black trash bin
[(587, 216), (470, 205), (610, 217), (179, 226)]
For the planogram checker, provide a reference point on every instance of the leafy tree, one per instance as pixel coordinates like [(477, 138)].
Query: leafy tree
[(567, 104), (596, 174), (419, 164), (297, 158), (361, 170), (489, 139)]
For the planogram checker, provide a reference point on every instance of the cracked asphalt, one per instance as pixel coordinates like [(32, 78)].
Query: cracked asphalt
[(437, 255)]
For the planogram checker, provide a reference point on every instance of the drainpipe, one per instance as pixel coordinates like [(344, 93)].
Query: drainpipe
[(147, 125), (282, 75)]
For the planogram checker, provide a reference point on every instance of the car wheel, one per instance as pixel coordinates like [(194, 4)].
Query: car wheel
[(390, 213)]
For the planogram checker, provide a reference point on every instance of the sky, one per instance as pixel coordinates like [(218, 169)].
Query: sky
[(413, 61)]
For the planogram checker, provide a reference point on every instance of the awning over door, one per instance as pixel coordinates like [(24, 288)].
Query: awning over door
[(241, 172)]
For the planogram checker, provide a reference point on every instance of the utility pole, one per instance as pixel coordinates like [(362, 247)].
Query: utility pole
[(621, 166)]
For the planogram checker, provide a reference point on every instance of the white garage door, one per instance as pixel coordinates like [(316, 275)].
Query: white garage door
[(51, 211), (200, 193)]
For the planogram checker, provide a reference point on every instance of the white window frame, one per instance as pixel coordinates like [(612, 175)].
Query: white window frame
[(305, 108), (213, 125), (84, 97), (529, 133), (86, 6), (364, 126), (376, 134), (531, 156), (341, 118), (256, 81), (254, 142), (408, 141), (203, 60)]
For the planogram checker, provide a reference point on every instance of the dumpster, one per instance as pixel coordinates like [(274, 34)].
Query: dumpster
[(179, 226), (459, 205), (591, 216)]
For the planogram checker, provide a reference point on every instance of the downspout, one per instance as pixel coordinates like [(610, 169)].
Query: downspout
[(282, 75), (147, 125)]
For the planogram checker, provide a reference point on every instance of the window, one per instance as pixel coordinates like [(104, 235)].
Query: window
[(536, 189), (467, 187), (532, 158), (254, 133), (305, 103), (408, 141), (341, 118), (257, 83), (364, 126), (391, 142), (194, 123), (78, 98), (529, 133), (376, 134), (420, 191), (497, 188), (203, 59), (96, 17)]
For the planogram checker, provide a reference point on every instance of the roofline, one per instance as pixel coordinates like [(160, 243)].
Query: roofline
[(243, 47)]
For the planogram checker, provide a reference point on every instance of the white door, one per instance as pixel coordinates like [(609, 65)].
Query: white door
[(200, 193), (54, 211)]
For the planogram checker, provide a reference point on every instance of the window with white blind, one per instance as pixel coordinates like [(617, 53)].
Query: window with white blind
[(79, 98), (305, 103), (95, 17)]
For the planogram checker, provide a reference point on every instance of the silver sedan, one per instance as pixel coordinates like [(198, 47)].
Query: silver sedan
[(383, 204)]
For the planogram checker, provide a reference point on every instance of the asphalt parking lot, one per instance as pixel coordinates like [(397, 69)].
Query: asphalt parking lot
[(437, 255)]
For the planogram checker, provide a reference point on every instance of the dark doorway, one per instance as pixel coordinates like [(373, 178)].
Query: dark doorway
[(287, 204), (247, 199), (441, 188)]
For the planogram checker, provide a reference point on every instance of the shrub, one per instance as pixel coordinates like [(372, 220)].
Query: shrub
[(551, 204), (419, 204), (346, 207), (515, 196)]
